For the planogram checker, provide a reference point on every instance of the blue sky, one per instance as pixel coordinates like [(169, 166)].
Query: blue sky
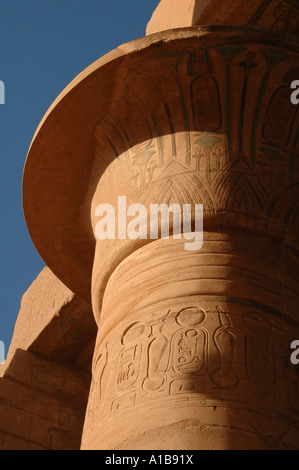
[(44, 44)]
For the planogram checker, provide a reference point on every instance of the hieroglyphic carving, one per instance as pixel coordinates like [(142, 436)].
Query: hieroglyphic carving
[(240, 190), (127, 377), (185, 352), (229, 52), (144, 163), (209, 153), (204, 91), (189, 342), (96, 392), (170, 355), (128, 367), (188, 355), (206, 104), (155, 377), (185, 156), (248, 64), (280, 115), (226, 343), (177, 184), (267, 155), (189, 351), (129, 357), (199, 63)]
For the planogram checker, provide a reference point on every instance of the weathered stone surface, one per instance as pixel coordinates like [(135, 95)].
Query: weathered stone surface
[(40, 373), (272, 14), (46, 377), (280, 15), (171, 14), (54, 322), (10, 442), (39, 305), (42, 404)]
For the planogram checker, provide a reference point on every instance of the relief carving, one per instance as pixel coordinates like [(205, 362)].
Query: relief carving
[(205, 100), (188, 344), (209, 153), (225, 342), (155, 377), (96, 392), (280, 115), (182, 352), (188, 351), (129, 357)]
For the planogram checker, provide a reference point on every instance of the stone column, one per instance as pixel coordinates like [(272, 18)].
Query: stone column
[(193, 345), (191, 350)]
